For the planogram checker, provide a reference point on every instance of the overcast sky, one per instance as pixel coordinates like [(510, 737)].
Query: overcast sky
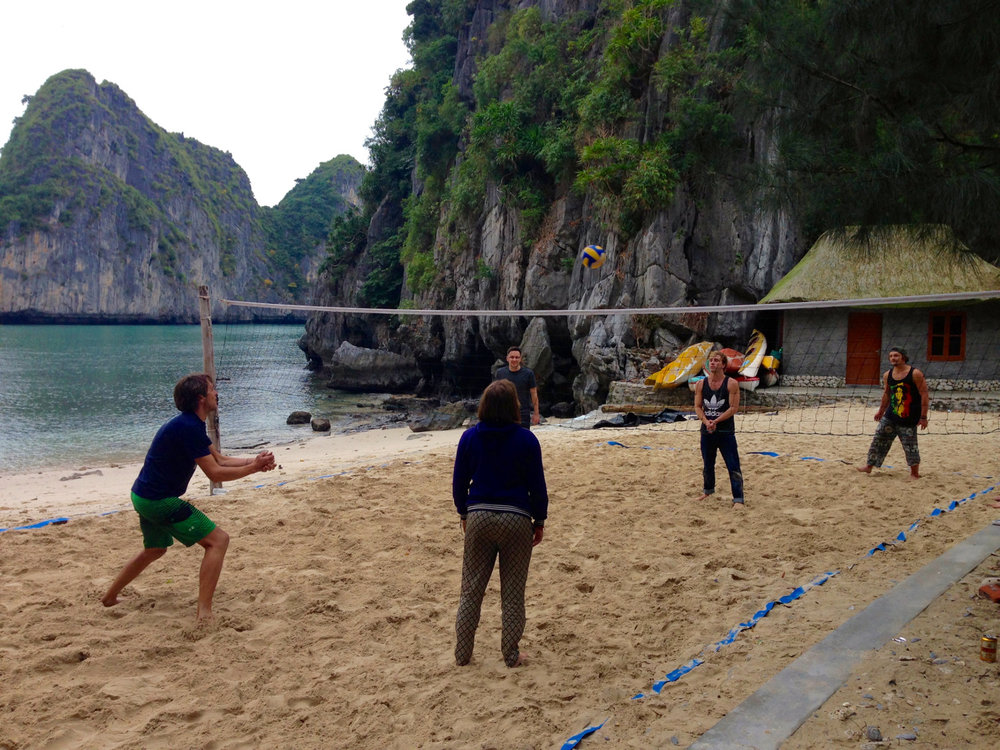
[(282, 86)]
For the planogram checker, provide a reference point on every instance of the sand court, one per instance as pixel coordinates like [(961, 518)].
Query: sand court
[(336, 606)]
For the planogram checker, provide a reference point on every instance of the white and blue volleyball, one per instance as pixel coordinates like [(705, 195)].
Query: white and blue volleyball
[(592, 256)]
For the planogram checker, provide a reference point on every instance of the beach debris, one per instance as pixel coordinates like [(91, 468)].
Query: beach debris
[(80, 475), (990, 589), (873, 733), (843, 713)]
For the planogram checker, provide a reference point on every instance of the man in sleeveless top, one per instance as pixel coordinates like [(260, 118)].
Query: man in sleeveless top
[(716, 401), (904, 407)]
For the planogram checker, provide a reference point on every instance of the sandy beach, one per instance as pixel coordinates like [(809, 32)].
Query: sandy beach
[(336, 606)]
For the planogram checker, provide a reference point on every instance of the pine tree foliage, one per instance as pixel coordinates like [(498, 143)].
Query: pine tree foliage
[(888, 112)]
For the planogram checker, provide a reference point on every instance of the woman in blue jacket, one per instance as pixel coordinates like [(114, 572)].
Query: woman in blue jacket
[(499, 491)]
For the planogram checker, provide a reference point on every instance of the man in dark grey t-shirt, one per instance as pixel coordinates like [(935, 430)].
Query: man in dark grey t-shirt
[(524, 381)]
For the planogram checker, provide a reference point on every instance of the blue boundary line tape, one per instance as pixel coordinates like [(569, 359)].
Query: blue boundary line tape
[(953, 505), (40, 524), (642, 447), (796, 593), (575, 739), (59, 521), (672, 676), (730, 637), (282, 483)]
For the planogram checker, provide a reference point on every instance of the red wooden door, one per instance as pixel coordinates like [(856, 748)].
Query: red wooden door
[(864, 348)]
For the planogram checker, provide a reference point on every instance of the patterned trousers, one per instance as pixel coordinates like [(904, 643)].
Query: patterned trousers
[(487, 535), (884, 434)]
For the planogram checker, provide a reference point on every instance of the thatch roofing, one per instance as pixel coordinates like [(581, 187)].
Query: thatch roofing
[(902, 261)]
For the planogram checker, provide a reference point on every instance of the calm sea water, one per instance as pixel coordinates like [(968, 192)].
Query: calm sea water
[(77, 395)]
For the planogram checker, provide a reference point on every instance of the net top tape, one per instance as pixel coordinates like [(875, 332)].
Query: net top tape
[(863, 302)]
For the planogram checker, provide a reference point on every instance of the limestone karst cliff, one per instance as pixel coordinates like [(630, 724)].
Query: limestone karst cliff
[(704, 143), (104, 216), (703, 244)]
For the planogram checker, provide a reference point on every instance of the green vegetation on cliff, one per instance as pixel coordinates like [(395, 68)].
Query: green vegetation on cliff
[(84, 163), (79, 145), (555, 104), (848, 112), (34, 177), (302, 221)]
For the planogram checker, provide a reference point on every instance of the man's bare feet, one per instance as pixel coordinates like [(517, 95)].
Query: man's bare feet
[(996, 505), (522, 660), (702, 497), (110, 600), (864, 469), (739, 506), (912, 477)]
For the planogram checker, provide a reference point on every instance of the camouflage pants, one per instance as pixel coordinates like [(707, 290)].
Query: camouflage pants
[(884, 434), (487, 536)]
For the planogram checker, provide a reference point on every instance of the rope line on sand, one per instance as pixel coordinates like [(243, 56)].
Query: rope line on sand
[(795, 594)]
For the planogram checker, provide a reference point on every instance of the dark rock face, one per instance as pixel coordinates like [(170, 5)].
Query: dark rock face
[(298, 417), (408, 404), (320, 424), (447, 417), (563, 410), (354, 368)]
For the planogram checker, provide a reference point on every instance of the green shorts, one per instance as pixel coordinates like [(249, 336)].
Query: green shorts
[(164, 520)]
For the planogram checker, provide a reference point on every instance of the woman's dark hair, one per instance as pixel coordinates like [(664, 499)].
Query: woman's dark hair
[(499, 403), (189, 389)]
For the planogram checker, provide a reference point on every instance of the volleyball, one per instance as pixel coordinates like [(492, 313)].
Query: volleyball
[(592, 256)]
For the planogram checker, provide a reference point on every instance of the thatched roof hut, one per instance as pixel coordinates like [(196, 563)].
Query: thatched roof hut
[(902, 261)]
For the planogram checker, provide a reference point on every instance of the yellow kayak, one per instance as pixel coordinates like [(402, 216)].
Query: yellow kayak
[(688, 363), (754, 354)]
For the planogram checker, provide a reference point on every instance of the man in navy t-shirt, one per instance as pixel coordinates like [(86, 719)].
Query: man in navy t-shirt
[(523, 379), (178, 447)]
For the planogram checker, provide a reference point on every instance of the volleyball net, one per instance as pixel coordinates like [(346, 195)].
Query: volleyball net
[(829, 359)]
